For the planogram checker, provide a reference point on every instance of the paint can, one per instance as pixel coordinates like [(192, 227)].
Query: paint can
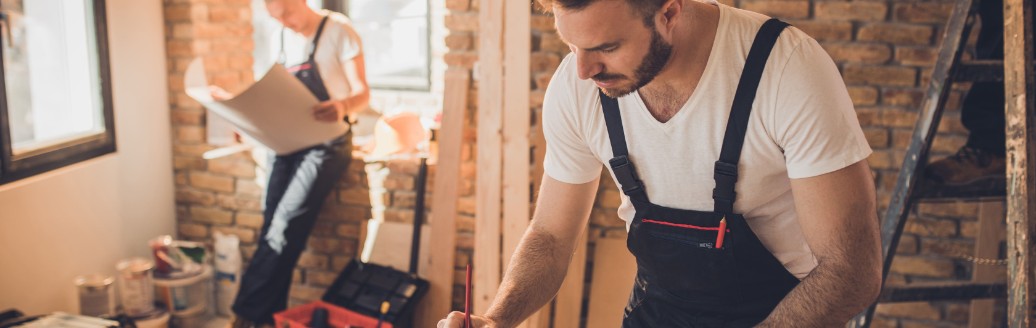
[(96, 295), (136, 286)]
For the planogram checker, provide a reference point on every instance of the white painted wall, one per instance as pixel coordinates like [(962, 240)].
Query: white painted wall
[(83, 218)]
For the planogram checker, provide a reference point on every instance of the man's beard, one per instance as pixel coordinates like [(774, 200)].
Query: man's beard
[(656, 59)]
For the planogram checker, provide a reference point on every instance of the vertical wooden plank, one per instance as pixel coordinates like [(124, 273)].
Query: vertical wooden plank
[(614, 271), (516, 172), (1021, 204), (987, 245), (569, 302), (487, 199), (443, 235)]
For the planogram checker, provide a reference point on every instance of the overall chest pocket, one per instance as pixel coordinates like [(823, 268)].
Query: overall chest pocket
[(685, 260)]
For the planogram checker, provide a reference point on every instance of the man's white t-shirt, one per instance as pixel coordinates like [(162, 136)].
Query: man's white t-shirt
[(802, 125), (338, 45)]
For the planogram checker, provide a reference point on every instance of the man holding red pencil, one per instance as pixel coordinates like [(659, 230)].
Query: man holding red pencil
[(746, 191)]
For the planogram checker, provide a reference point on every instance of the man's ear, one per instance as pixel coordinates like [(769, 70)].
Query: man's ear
[(670, 12)]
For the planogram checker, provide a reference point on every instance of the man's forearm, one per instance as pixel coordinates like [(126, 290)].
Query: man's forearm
[(828, 297), (532, 279)]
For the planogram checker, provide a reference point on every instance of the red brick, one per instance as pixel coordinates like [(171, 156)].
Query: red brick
[(465, 59), (931, 228), (192, 230), (324, 245), (950, 247), (189, 134), (355, 196), (544, 62), (311, 260), (863, 95), (461, 22), (321, 278), (305, 294), (248, 188), (779, 9), (917, 56), (188, 163), (212, 215), (249, 219), (542, 23), (459, 41), (195, 197), (232, 167), (186, 117), (246, 236), (458, 5), (907, 245), (551, 42), (910, 98), (867, 53), (234, 202), (348, 230), (856, 10), (923, 266), (898, 34), (879, 75), (211, 182), (825, 30), (923, 12), (915, 310), (877, 137)]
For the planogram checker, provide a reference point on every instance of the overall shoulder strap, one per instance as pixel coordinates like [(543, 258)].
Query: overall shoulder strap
[(620, 163), (725, 171), (316, 38)]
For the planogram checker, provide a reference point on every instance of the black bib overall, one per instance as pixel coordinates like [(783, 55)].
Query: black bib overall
[(694, 268), (307, 71)]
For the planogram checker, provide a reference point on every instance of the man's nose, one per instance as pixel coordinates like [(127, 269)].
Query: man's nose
[(588, 65)]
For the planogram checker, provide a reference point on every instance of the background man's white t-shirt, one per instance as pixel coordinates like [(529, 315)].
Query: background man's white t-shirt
[(338, 44), (802, 124)]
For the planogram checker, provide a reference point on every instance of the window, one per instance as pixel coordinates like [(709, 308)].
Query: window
[(395, 42), (55, 94)]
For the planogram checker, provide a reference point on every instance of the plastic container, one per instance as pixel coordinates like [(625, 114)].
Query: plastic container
[(96, 295), (136, 286), (158, 320), (184, 294), (299, 316), (228, 271), (192, 318)]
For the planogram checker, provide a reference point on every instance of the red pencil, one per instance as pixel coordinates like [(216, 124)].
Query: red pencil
[(467, 298), (722, 231)]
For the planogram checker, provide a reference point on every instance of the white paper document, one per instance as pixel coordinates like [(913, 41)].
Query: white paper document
[(276, 111)]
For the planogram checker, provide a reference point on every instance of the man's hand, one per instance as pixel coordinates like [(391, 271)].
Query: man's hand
[(218, 93), (329, 111), (456, 320)]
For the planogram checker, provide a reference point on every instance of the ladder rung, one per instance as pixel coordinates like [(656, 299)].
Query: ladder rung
[(988, 189), (942, 291), (980, 70)]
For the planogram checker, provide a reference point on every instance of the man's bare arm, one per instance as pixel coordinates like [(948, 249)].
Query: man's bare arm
[(838, 217), (541, 260)]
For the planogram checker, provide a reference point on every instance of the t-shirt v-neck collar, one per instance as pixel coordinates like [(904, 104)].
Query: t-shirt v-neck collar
[(667, 126)]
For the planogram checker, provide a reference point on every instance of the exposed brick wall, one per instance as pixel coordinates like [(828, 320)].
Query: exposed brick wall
[(225, 194)]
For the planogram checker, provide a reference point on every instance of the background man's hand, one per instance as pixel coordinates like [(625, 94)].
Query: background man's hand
[(456, 320), (329, 111)]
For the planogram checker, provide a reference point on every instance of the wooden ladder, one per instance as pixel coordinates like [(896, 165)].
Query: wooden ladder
[(984, 285)]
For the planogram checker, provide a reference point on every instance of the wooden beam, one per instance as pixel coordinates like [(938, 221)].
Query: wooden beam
[(516, 174), (569, 302), (487, 268), (987, 245), (1021, 129), (443, 235), (614, 271)]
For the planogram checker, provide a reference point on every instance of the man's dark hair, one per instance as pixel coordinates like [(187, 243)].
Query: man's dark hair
[(646, 8)]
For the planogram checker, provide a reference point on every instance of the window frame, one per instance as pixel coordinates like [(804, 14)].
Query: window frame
[(16, 167)]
